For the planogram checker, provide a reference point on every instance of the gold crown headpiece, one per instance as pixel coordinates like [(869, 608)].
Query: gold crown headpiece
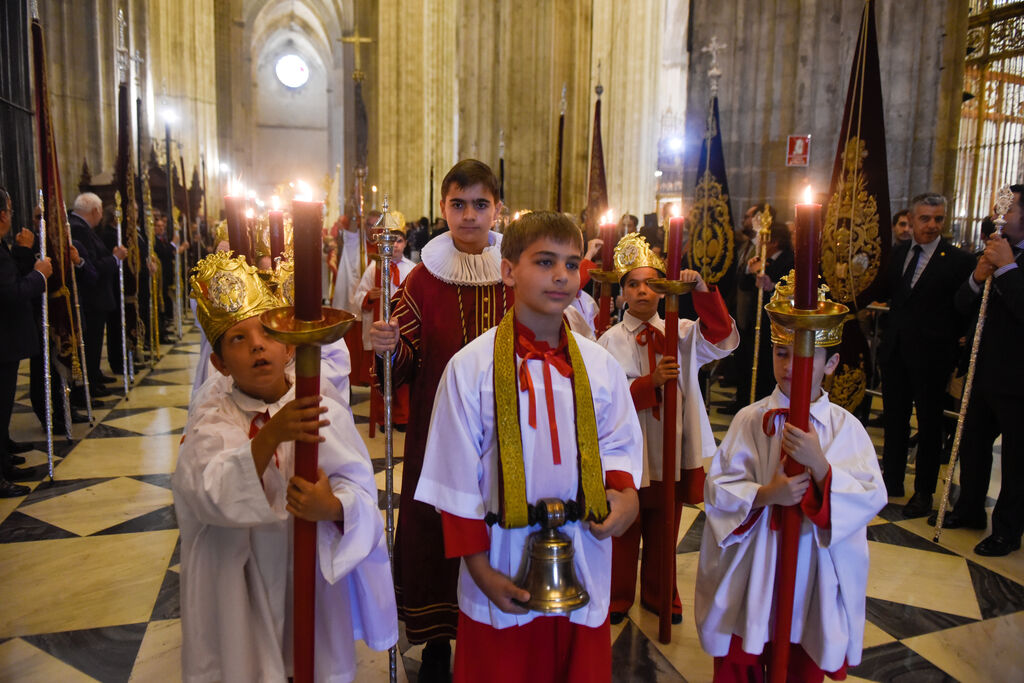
[(784, 336), (221, 232), (394, 221), (227, 291), (633, 252), (284, 277)]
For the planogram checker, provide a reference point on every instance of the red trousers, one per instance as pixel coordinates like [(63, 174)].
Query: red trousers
[(362, 361), (649, 526), (742, 667), (547, 650)]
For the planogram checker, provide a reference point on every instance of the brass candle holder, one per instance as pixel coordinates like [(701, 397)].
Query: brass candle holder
[(282, 325), (605, 277), (668, 287)]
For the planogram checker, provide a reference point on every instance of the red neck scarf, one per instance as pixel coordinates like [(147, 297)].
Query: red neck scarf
[(528, 348), (654, 339)]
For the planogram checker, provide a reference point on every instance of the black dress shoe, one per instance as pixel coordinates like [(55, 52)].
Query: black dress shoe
[(919, 505), (18, 474), (17, 459), (17, 447), (616, 618), (952, 520), (9, 490), (997, 546), (99, 391), (107, 379), (78, 418)]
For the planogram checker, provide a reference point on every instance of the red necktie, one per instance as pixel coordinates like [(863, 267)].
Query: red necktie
[(256, 425), (394, 274), (550, 358), (769, 429), (654, 339)]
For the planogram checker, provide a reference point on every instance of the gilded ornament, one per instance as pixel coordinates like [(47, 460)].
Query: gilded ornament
[(851, 250), (711, 246), (633, 252), (849, 385), (227, 291)]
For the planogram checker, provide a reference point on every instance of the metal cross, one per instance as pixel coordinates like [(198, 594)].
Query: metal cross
[(714, 73), (357, 40)]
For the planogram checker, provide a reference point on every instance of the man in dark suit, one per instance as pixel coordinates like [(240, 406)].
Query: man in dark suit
[(21, 281), (919, 347), (97, 300), (997, 397)]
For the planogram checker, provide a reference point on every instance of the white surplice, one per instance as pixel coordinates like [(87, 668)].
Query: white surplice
[(460, 470), (736, 573), (585, 304), (236, 538), (349, 270), (693, 430), (368, 282)]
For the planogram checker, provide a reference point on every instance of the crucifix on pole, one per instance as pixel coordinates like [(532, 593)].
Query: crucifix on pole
[(356, 41)]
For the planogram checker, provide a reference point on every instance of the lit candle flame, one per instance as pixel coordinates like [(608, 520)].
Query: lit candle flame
[(516, 217), (250, 214), (303, 192), (276, 202), (235, 187), (373, 188), (677, 210), (808, 195), (608, 217)]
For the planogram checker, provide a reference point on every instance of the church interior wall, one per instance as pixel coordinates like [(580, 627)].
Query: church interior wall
[(786, 69)]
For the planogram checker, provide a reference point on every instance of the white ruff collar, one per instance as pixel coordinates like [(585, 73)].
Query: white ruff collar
[(455, 267)]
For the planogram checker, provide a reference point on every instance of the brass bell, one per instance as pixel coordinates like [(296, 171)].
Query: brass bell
[(547, 572)]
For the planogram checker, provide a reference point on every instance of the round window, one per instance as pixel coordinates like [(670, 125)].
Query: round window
[(292, 71)]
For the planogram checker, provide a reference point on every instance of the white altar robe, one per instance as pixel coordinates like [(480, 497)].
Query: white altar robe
[(460, 469), (736, 571), (694, 436), (236, 539)]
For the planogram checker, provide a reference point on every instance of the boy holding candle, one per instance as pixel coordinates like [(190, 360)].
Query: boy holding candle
[(234, 496), (746, 489), (637, 344), (527, 411)]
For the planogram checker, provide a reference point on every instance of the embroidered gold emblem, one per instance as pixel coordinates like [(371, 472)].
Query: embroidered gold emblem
[(851, 251), (711, 246)]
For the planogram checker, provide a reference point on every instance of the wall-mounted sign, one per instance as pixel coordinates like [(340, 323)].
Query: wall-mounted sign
[(798, 150)]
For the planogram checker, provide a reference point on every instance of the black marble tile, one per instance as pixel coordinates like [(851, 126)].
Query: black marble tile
[(361, 419), (105, 431), (20, 408), (892, 512), (905, 621), (152, 382), (157, 520), (691, 540), (128, 412), (997, 595), (52, 489), (897, 535), (162, 480), (636, 659), (897, 663), (19, 527), (119, 646), (412, 669), (183, 352), (176, 555), (167, 604), (382, 499)]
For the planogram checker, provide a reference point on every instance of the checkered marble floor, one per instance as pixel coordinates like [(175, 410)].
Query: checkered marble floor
[(89, 564)]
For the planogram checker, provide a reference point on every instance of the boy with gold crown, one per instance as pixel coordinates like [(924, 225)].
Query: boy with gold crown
[(531, 410), (235, 493), (840, 491), (637, 343)]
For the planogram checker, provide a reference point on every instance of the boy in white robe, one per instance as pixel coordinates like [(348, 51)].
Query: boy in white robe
[(498, 638), (235, 493), (840, 492), (637, 343)]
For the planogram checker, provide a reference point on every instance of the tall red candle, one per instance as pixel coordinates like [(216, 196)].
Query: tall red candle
[(307, 238), (276, 233), (807, 252), (675, 247), (238, 234)]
